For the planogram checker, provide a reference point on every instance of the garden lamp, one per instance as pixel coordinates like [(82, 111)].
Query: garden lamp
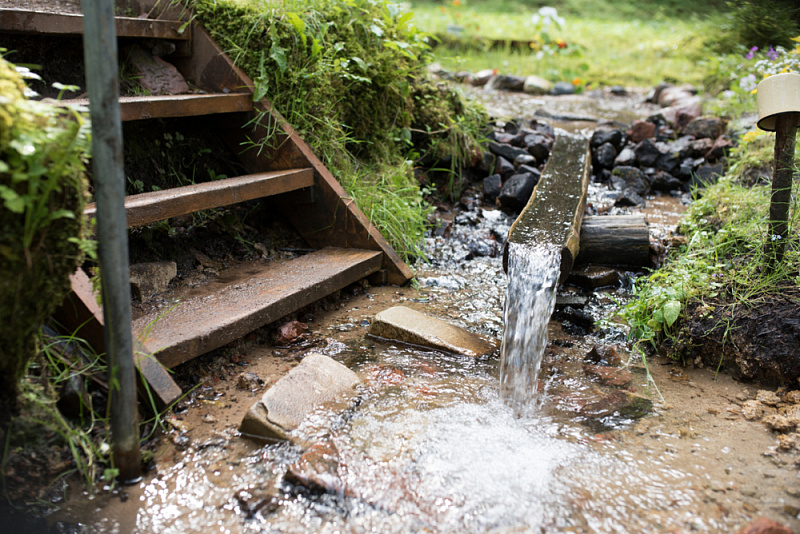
[(779, 112)]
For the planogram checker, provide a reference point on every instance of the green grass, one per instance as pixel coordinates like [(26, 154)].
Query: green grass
[(723, 263), (603, 49)]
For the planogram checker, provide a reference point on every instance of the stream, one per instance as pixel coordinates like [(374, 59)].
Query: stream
[(443, 443)]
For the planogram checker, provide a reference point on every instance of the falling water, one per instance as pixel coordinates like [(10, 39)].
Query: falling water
[(533, 275)]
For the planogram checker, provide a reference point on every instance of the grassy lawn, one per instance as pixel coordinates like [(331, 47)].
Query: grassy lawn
[(633, 43)]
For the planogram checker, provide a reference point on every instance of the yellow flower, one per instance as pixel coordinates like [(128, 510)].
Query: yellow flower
[(754, 91), (796, 38), (752, 134)]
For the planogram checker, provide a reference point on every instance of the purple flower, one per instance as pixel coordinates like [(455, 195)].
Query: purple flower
[(751, 53), (772, 54)]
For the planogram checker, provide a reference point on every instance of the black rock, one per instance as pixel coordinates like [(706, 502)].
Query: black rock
[(544, 128), (524, 159), (527, 168), (539, 146), (504, 82), (507, 151), (706, 175), (626, 157), (516, 191), (665, 182), (629, 197), (629, 178), (600, 137), (563, 88), (705, 128), (511, 127), (491, 188), (482, 247), (487, 162), (646, 153), (668, 162), (503, 167), (603, 156)]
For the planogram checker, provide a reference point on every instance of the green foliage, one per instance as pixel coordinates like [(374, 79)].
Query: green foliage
[(347, 76), (43, 154), (723, 261), (761, 23)]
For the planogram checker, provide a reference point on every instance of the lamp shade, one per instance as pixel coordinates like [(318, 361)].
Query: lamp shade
[(777, 94)]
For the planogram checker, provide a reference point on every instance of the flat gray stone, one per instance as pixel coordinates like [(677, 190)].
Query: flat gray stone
[(147, 279), (416, 328), (318, 381)]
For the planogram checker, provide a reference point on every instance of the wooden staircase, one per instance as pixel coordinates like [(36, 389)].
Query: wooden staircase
[(349, 247)]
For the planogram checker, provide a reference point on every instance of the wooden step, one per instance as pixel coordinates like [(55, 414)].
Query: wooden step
[(147, 208), (26, 21), (134, 108), (242, 300)]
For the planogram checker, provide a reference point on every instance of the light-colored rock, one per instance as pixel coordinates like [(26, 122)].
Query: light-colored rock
[(752, 410), (154, 74), (770, 398), (147, 279), (318, 381), (536, 85), (415, 328)]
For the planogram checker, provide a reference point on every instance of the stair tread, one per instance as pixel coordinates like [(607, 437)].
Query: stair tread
[(146, 208), (31, 21), (171, 106), (245, 298)]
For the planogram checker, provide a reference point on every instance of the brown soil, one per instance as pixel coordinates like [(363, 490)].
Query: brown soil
[(758, 342)]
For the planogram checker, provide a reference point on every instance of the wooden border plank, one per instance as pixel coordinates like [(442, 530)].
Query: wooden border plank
[(339, 221), (155, 206), (20, 20)]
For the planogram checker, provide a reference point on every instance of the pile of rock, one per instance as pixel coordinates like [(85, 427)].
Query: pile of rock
[(517, 154), (492, 80), (673, 150)]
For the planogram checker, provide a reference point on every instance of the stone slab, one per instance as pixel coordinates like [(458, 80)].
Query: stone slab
[(318, 381), (147, 279), (416, 328)]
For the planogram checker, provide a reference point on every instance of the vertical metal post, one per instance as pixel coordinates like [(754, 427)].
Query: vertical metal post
[(778, 234), (102, 80)]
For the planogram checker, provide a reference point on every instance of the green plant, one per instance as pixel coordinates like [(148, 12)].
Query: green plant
[(43, 154), (763, 22), (721, 268)]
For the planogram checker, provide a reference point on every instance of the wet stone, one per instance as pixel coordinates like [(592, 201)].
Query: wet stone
[(574, 301), (665, 182), (609, 376), (629, 177), (705, 128), (318, 381), (290, 332), (536, 85), (563, 88), (647, 153), (539, 145), (594, 276), (415, 328), (491, 187), (516, 191), (524, 159), (504, 168), (504, 82), (623, 403), (604, 156), (507, 151), (603, 355), (249, 382), (706, 175), (629, 198), (602, 136), (641, 130), (574, 321), (762, 525), (626, 157), (318, 469), (147, 279), (153, 73)]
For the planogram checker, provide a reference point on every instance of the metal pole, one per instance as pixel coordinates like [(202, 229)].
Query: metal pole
[(778, 234), (102, 80)]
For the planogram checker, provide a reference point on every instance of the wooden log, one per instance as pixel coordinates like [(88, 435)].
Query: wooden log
[(554, 212), (619, 240)]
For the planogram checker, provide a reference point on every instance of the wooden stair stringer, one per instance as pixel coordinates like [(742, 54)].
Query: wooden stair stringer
[(82, 316), (338, 221)]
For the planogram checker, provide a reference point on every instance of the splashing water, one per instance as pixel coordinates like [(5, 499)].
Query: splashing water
[(533, 276)]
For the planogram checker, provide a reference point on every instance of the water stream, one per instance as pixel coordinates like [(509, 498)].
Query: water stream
[(533, 275)]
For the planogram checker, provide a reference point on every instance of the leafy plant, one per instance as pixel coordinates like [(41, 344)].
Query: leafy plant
[(43, 154)]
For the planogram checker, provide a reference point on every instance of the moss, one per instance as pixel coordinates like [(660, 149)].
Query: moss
[(43, 153)]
